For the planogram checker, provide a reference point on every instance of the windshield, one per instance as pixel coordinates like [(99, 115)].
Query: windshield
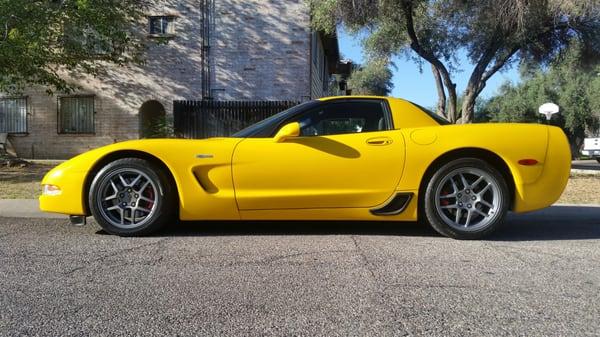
[(266, 127), (441, 120)]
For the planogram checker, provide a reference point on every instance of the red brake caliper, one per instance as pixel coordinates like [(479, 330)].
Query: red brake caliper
[(444, 202), (151, 197)]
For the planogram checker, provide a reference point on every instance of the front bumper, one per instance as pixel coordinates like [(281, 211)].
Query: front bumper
[(591, 153), (70, 201)]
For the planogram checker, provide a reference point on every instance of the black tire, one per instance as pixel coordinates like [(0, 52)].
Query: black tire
[(440, 219), (598, 160), (161, 210)]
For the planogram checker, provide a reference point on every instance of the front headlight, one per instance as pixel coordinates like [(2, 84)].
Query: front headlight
[(51, 190)]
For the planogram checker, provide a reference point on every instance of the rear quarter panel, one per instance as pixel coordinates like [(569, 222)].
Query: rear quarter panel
[(510, 142)]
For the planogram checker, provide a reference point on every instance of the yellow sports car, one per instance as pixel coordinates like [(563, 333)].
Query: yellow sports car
[(340, 158)]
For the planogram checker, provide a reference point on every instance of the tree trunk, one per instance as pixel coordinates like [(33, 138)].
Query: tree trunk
[(441, 107), (452, 102), (468, 105), (451, 114)]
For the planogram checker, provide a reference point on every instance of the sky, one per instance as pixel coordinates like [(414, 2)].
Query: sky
[(411, 84)]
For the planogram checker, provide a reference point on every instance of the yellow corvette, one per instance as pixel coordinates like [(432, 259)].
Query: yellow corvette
[(340, 158)]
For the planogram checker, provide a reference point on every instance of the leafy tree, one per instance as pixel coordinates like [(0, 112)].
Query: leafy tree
[(374, 78), (573, 86), (40, 39), (493, 33)]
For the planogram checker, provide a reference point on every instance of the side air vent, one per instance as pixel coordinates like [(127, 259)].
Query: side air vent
[(395, 206)]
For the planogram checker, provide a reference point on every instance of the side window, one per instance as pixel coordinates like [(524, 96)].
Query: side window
[(344, 117)]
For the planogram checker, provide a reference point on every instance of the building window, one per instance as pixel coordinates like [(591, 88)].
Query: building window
[(76, 114), (161, 25), (13, 115)]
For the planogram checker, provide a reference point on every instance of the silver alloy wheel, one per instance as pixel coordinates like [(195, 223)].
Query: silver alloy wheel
[(127, 198), (468, 199)]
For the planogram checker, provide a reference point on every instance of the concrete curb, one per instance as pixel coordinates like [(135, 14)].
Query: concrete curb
[(25, 208), (578, 205), (585, 172)]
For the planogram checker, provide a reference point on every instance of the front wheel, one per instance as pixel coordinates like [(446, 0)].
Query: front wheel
[(466, 199), (131, 197)]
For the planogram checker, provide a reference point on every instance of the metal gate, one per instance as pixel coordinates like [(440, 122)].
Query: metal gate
[(207, 118)]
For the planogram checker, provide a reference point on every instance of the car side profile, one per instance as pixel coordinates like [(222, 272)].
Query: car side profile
[(339, 158)]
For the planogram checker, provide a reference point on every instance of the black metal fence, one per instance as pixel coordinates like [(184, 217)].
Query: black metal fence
[(203, 119)]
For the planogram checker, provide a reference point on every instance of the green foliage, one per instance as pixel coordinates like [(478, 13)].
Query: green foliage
[(41, 39), (160, 127), (374, 78), (492, 33), (568, 83)]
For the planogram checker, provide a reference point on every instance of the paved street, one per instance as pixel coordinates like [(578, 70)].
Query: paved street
[(540, 275), (591, 165)]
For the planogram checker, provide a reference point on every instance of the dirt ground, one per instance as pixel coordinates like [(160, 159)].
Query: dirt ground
[(24, 183), (582, 189)]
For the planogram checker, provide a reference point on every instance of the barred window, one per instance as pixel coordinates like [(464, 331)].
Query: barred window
[(161, 25), (13, 115), (76, 114)]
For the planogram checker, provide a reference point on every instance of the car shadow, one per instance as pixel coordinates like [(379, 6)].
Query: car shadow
[(327, 145), (554, 223), (244, 228), (561, 222)]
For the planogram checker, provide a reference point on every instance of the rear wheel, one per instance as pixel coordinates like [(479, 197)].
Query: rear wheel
[(131, 197), (466, 199)]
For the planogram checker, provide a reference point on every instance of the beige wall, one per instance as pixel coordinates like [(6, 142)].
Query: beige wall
[(261, 50)]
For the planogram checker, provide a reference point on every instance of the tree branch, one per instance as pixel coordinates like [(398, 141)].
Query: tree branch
[(7, 26), (430, 57), (496, 67), (441, 108)]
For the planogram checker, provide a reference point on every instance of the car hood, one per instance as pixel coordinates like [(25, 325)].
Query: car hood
[(175, 151)]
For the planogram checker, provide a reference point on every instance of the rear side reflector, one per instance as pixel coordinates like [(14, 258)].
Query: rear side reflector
[(528, 162)]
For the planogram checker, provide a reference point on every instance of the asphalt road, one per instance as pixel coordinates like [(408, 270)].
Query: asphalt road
[(539, 275), (592, 165)]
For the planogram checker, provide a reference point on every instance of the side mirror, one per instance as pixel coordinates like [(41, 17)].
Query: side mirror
[(288, 131)]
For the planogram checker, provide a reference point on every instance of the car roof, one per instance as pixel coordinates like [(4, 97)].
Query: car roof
[(332, 98)]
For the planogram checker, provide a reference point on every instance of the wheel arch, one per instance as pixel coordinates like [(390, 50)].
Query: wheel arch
[(121, 154), (469, 152)]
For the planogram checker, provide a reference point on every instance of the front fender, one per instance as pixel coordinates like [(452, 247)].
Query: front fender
[(182, 159)]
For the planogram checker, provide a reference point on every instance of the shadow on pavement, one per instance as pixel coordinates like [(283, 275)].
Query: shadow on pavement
[(554, 223), (233, 228), (586, 165)]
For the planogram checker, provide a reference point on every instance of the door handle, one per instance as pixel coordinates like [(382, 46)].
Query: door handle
[(380, 141)]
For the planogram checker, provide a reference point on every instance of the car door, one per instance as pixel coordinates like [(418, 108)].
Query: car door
[(347, 155)]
